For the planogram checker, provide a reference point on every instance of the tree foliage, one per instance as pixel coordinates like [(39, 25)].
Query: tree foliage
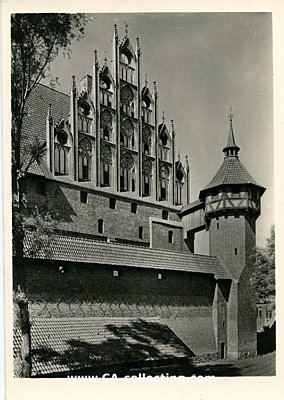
[(36, 40), (263, 276)]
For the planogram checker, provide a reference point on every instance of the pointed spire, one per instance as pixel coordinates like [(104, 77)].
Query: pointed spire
[(96, 59), (231, 149), (155, 91), (173, 128), (126, 28), (138, 48), (146, 81), (186, 163), (73, 84), (105, 59), (115, 32)]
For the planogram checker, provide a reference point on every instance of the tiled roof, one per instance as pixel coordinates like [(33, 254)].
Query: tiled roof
[(66, 248), (231, 172), (72, 344), (34, 124)]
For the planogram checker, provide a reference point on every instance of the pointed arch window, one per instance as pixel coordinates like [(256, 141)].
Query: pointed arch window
[(127, 134), (164, 182), (127, 100), (85, 159), (146, 138), (127, 172), (61, 152), (106, 161), (146, 178), (106, 125)]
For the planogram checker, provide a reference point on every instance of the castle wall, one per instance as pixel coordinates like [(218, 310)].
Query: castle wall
[(183, 300), (119, 223)]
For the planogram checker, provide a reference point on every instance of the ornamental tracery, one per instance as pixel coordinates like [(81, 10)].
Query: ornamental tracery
[(127, 161), (106, 155), (106, 119), (85, 147), (126, 96), (147, 167)]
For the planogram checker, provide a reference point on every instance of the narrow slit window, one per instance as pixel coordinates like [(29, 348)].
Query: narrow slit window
[(236, 251), (165, 214), (171, 236), (140, 232), (101, 226)]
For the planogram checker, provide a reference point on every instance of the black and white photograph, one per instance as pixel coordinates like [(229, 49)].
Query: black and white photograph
[(142, 213)]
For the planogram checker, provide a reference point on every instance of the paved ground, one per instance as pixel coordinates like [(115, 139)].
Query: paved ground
[(264, 365)]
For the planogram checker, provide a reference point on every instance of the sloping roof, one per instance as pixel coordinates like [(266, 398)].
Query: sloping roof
[(231, 139), (34, 124), (72, 344), (66, 248), (231, 172)]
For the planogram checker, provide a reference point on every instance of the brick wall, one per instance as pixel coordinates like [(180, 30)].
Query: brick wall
[(232, 240), (182, 300), (120, 223)]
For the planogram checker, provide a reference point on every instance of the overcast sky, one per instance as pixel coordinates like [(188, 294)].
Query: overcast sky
[(203, 63)]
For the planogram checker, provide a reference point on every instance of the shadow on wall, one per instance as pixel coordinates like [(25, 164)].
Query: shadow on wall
[(266, 340)]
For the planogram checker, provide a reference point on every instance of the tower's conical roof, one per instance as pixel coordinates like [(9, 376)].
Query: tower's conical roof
[(231, 171)]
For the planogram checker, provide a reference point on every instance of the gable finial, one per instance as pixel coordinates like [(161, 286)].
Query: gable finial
[(146, 80), (126, 28), (231, 115), (96, 60)]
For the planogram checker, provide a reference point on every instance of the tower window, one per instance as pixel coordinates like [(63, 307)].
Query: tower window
[(112, 203), (160, 276), (140, 232), (84, 197), (165, 214), (217, 225), (171, 236), (115, 273), (101, 226), (236, 251), (134, 208)]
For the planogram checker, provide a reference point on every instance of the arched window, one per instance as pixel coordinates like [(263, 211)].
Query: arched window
[(126, 168), (61, 152), (101, 226), (164, 182), (85, 159), (106, 160), (146, 180), (164, 171), (127, 134), (106, 125)]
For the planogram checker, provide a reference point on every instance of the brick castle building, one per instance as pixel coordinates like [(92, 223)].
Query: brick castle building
[(119, 282)]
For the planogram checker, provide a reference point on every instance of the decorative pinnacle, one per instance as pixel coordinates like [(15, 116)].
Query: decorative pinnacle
[(96, 60), (163, 117), (179, 155), (231, 115), (138, 45), (173, 127), (126, 28), (186, 162), (146, 81), (49, 111), (155, 88), (115, 33), (105, 59), (73, 82)]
